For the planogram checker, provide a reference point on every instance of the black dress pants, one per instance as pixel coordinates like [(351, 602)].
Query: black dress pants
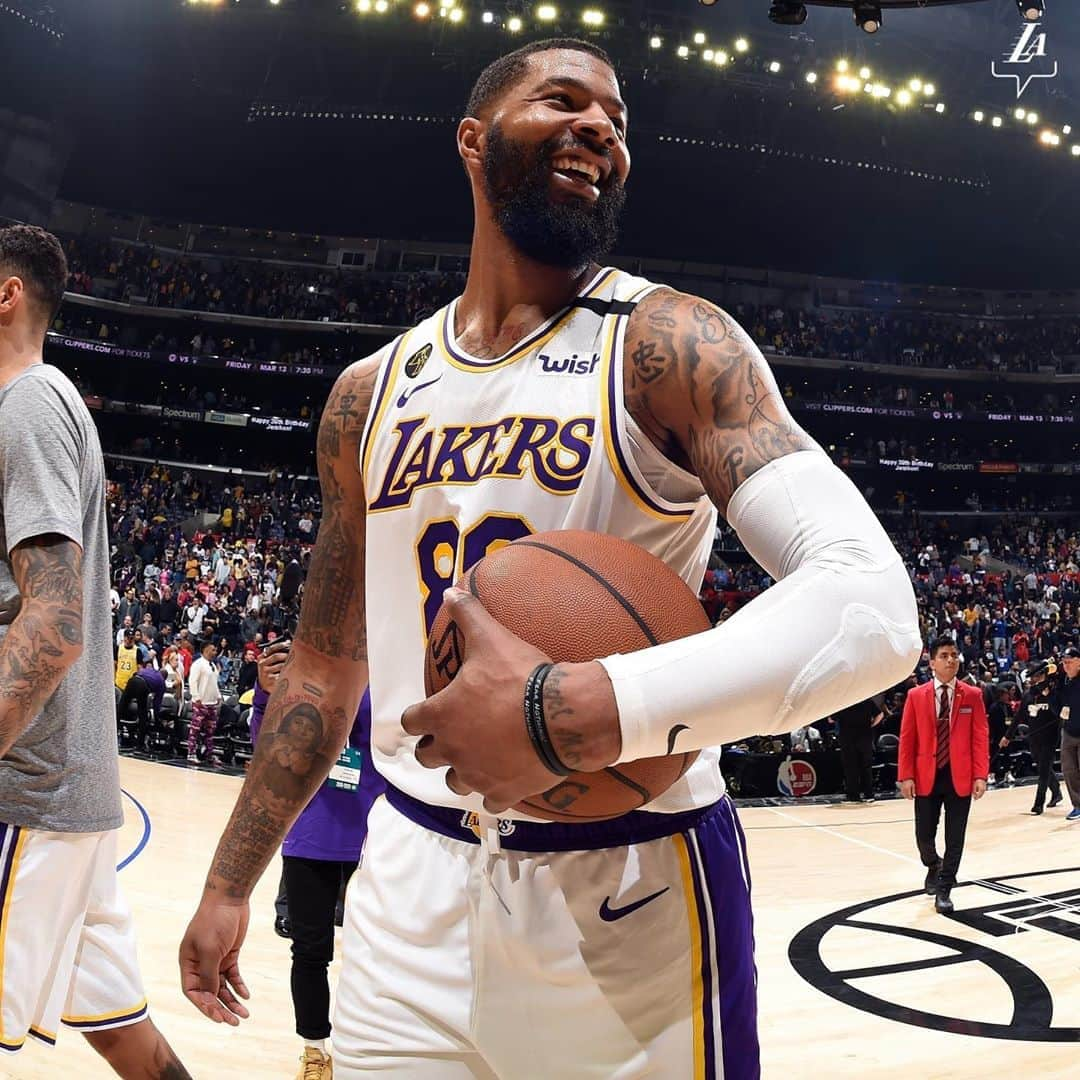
[(311, 888), (928, 814), (1043, 753), (857, 754)]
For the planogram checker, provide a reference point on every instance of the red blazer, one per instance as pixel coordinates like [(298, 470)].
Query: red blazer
[(969, 739)]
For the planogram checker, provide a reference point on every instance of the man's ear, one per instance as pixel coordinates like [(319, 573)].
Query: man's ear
[(470, 141), (11, 292)]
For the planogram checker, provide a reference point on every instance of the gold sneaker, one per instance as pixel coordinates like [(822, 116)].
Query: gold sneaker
[(315, 1065)]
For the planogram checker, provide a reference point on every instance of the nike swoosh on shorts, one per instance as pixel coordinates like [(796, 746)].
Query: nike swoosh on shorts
[(610, 914)]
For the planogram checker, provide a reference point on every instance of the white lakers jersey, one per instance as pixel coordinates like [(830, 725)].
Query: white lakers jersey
[(462, 455)]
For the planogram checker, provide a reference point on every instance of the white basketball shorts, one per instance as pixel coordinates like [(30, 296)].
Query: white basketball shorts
[(512, 951), (67, 941)]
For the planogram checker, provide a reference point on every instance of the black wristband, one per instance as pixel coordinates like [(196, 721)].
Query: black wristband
[(536, 724)]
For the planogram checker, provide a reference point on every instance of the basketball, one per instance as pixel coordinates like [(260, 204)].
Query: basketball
[(579, 596)]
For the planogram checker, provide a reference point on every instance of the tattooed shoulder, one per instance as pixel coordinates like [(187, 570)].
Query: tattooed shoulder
[(347, 406), (699, 388)]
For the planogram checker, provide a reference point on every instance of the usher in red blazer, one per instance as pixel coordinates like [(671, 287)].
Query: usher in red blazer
[(969, 738)]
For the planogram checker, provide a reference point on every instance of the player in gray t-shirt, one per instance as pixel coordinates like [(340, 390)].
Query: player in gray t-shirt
[(59, 777)]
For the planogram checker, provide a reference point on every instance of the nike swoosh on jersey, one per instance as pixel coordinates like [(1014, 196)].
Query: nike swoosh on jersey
[(409, 391), (610, 914)]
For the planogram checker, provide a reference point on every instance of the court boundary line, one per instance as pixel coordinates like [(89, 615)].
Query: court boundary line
[(144, 839)]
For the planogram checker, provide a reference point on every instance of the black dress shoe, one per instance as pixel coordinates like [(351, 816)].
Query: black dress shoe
[(1036, 809), (942, 904), (282, 926), (930, 884), (1055, 800)]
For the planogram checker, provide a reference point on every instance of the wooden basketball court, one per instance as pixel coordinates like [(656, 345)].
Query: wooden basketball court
[(858, 975)]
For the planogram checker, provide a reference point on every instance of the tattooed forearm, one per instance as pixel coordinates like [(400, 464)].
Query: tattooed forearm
[(252, 837), (300, 740), (45, 634), (699, 388)]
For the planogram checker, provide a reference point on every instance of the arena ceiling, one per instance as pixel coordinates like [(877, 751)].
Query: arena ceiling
[(311, 115)]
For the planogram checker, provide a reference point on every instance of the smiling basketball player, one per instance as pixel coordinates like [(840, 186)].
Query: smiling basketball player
[(510, 948)]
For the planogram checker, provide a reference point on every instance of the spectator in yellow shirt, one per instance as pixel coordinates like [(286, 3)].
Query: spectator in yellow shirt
[(127, 660)]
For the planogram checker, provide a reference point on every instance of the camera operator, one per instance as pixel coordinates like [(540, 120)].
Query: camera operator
[(1067, 703), (1038, 712)]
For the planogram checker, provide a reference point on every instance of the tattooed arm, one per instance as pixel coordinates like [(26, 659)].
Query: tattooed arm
[(307, 718), (699, 388), (45, 635), (316, 697), (839, 625)]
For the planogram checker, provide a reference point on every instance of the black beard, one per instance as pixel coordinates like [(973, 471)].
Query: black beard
[(569, 234)]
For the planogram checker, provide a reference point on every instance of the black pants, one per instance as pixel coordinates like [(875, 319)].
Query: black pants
[(281, 902), (137, 691), (1043, 753), (999, 760), (857, 753), (927, 816), (311, 888)]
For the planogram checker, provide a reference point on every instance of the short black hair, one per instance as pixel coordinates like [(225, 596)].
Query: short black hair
[(37, 257), (940, 642), (504, 72)]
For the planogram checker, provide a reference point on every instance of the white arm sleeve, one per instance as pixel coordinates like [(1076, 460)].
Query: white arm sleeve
[(839, 625)]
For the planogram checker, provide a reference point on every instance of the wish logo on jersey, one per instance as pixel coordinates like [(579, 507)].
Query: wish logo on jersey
[(553, 452), (568, 365)]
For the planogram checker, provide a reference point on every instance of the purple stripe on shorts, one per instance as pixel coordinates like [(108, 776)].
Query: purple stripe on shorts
[(9, 834), (720, 844), (115, 1021)]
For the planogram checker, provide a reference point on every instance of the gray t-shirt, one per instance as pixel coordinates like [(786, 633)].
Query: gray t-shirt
[(62, 774)]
